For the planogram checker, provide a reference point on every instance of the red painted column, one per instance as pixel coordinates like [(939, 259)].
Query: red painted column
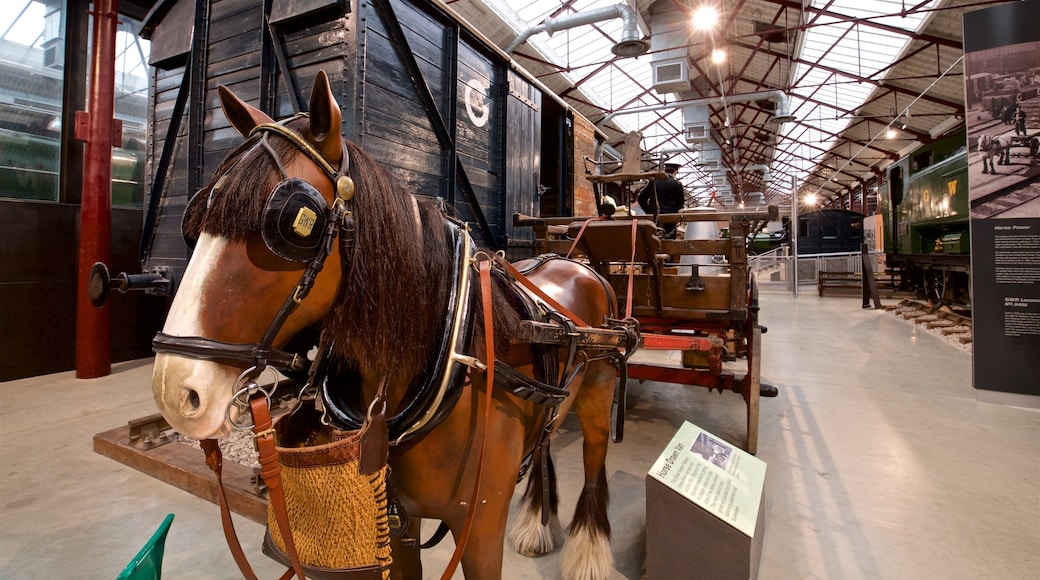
[(93, 325)]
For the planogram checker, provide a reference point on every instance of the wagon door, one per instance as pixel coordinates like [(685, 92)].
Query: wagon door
[(432, 111), (523, 165), (263, 52)]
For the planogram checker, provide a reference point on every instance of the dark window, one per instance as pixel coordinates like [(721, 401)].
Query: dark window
[(895, 185), (922, 160)]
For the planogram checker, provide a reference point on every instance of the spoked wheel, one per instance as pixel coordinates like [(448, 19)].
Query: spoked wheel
[(935, 287), (753, 379)]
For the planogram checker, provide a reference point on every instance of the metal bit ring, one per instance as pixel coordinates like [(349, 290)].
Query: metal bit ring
[(240, 399)]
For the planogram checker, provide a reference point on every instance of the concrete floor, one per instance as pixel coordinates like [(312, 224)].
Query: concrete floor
[(881, 464)]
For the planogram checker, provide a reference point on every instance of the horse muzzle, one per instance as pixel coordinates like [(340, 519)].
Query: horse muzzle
[(194, 395)]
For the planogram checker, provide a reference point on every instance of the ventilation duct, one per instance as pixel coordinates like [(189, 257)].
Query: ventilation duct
[(670, 61), (630, 45), (782, 113), (755, 199)]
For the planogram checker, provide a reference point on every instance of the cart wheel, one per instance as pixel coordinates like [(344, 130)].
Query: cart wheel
[(754, 386), (753, 380)]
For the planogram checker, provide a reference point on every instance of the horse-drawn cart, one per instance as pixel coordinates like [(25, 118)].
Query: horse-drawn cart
[(690, 295), (1031, 142)]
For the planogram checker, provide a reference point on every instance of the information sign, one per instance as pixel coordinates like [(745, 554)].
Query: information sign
[(720, 478)]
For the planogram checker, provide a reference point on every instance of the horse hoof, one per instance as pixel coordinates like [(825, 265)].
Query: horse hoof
[(531, 538), (587, 556)]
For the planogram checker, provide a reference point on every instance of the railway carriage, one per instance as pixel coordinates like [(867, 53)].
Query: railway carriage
[(447, 113)]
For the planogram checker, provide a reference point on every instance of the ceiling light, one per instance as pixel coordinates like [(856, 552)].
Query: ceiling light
[(810, 199), (891, 133), (718, 56), (705, 17)]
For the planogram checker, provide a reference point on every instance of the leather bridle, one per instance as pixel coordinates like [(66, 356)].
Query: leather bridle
[(259, 356)]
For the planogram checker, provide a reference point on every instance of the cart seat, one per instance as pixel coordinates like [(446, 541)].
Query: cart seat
[(611, 241), (631, 161)]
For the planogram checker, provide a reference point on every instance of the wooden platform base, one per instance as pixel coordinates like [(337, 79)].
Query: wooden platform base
[(184, 467)]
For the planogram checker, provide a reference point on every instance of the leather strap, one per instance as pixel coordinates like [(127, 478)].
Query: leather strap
[(213, 459), (484, 267), (582, 231), (199, 347), (537, 291), (271, 472)]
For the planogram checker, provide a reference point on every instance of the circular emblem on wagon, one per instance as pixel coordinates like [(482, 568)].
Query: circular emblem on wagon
[(476, 98)]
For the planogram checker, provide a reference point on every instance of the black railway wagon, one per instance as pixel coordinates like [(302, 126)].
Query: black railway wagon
[(443, 110), (829, 231)]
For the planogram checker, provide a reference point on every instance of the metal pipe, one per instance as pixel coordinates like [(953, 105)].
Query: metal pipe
[(794, 236), (629, 35), (782, 113), (93, 325)]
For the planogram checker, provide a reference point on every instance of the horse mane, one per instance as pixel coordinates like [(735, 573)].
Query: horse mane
[(389, 309)]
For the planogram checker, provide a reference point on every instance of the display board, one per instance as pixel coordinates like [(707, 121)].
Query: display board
[(721, 478), (1002, 101)]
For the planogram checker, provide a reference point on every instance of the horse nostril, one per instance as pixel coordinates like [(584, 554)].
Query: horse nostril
[(191, 401)]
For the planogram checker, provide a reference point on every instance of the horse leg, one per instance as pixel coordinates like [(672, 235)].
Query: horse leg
[(482, 558), (530, 537), (587, 553)]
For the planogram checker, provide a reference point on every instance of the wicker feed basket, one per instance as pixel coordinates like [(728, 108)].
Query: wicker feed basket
[(335, 494)]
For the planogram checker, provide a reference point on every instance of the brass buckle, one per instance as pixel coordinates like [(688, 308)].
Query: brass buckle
[(261, 434)]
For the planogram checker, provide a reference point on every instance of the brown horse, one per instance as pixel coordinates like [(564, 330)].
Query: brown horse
[(381, 299)]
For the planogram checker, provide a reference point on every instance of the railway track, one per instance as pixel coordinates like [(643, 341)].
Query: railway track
[(952, 326)]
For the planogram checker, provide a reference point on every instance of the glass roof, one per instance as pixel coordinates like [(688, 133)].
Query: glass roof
[(611, 84), (823, 96), (845, 43)]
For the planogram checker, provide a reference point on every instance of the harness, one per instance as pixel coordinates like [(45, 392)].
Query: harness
[(299, 225)]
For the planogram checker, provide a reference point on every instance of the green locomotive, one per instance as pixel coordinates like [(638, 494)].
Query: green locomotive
[(924, 204)]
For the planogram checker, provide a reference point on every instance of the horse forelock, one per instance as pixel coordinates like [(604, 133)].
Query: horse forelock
[(250, 174)]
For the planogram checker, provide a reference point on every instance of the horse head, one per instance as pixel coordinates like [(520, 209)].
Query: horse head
[(259, 226)]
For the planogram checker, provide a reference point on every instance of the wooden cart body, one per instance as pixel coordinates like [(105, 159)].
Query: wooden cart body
[(693, 295)]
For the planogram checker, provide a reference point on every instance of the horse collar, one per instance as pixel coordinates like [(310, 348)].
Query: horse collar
[(441, 388)]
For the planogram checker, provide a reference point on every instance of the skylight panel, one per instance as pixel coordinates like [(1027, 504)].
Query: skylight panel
[(853, 50)]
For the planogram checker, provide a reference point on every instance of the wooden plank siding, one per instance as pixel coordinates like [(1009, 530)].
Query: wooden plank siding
[(484, 133)]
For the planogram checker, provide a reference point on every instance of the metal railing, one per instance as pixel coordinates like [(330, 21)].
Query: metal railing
[(775, 269)]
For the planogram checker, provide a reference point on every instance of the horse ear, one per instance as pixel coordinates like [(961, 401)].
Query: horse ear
[(326, 119), (242, 116)]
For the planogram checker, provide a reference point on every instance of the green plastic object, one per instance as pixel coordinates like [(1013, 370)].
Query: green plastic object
[(147, 564)]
